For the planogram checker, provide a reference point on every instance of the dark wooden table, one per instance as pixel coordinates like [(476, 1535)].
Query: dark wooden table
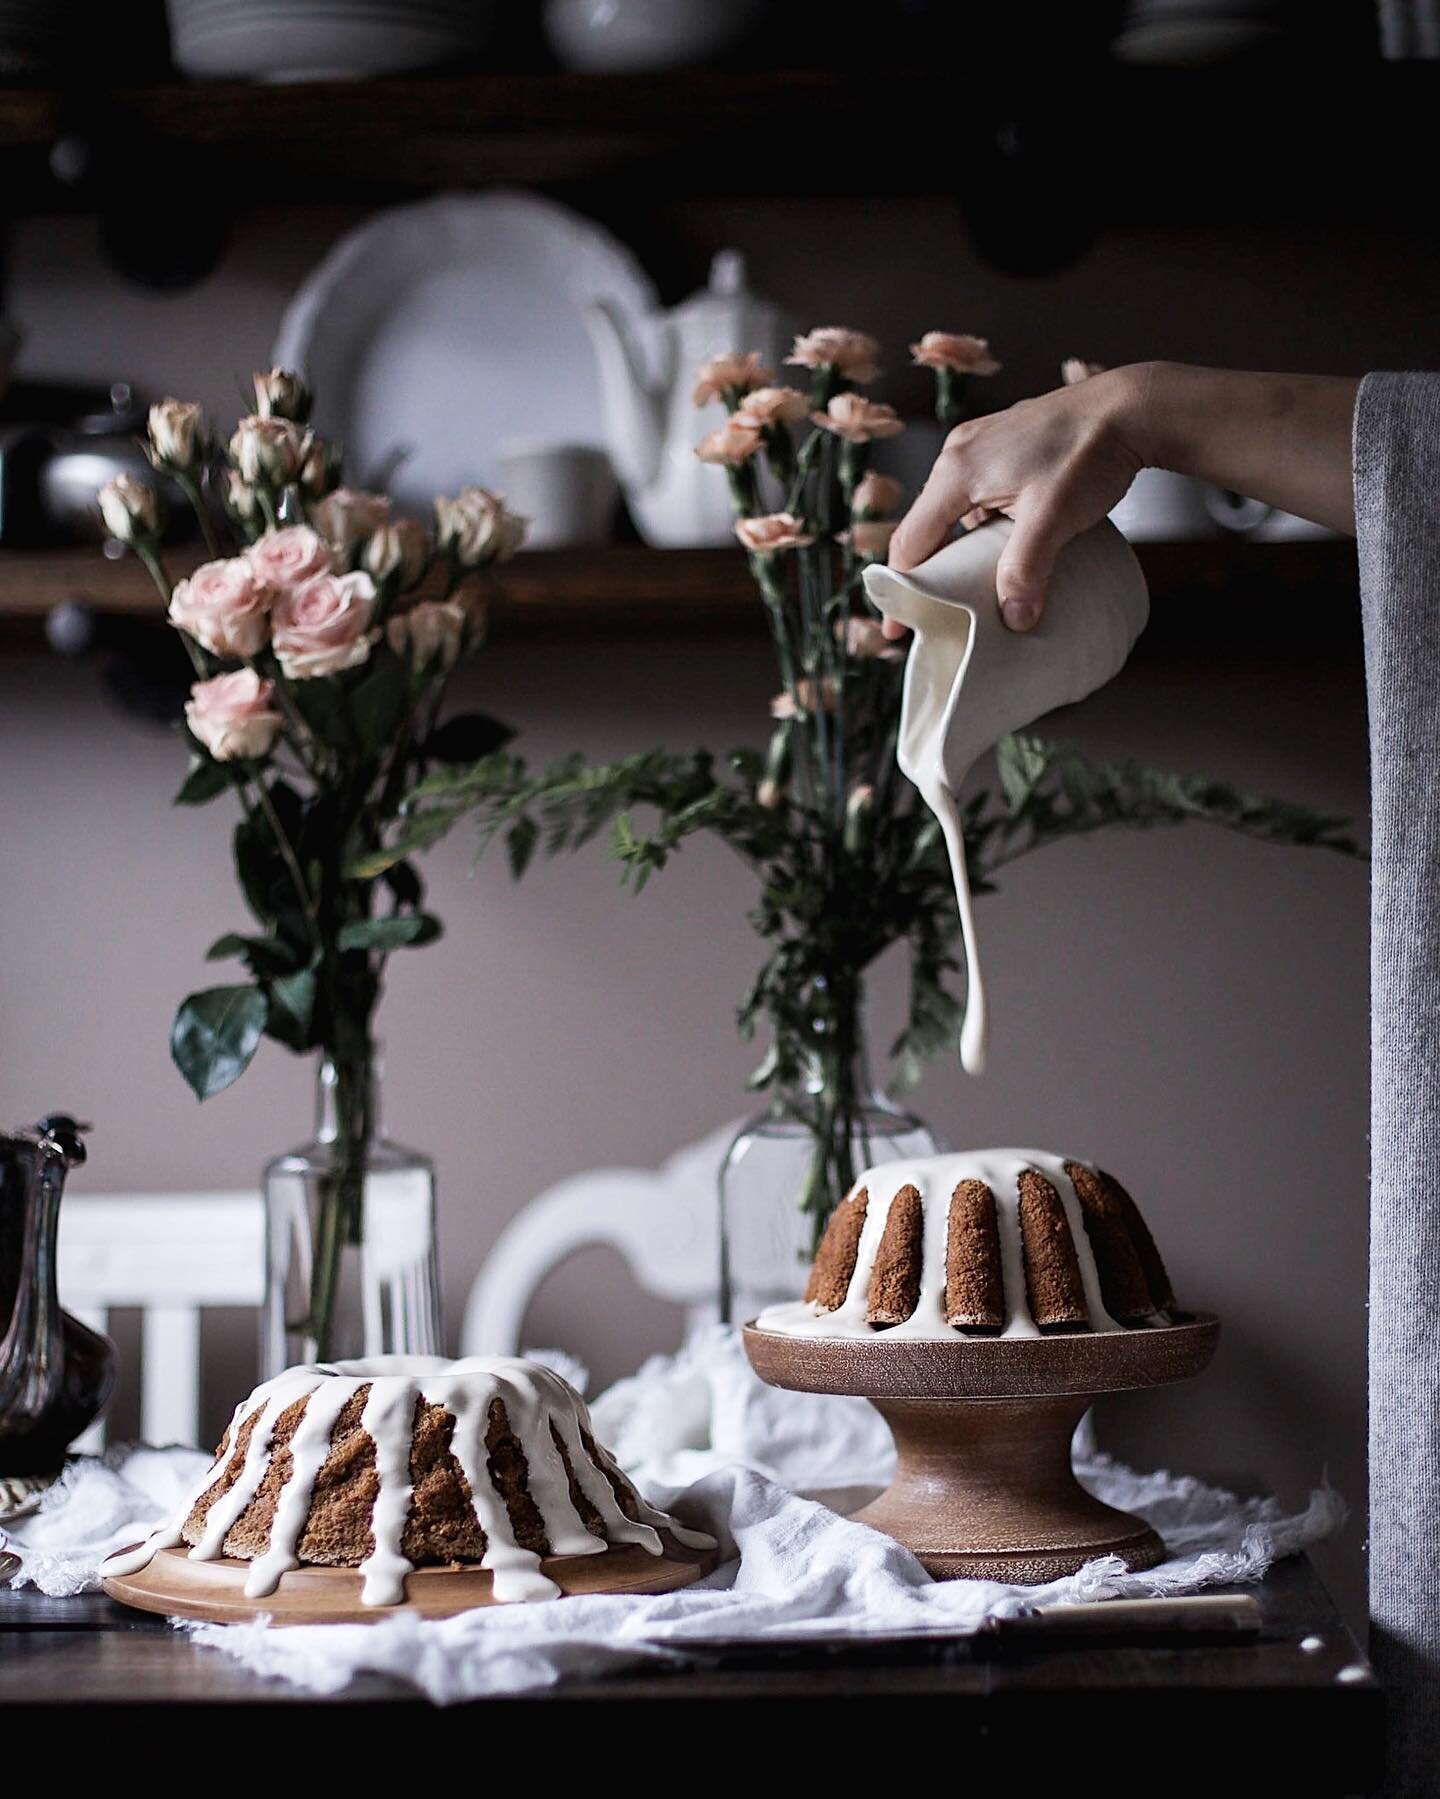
[(1252, 1716)]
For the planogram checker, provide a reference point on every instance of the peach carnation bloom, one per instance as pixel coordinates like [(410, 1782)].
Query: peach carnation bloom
[(1075, 369), (858, 420), (870, 537), (865, 640), (735, 442), (876, 495), (232, 716), (737, 368), (774, 531), (853, 353), (955, 350), (225, 607), (809, 696), (773, 406)]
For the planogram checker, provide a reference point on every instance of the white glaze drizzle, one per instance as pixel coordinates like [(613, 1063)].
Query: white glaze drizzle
[(534, 1398), (935, 1178)]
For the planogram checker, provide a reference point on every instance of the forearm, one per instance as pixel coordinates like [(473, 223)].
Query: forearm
[(1284, 439)]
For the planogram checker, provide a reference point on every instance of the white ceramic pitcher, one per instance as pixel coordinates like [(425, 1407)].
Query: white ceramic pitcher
[(970, 680)]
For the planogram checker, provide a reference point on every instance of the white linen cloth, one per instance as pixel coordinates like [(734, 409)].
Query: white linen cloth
[(704, 1438)]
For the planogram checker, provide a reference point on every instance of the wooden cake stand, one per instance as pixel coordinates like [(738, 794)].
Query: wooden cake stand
[(983, 1486), (215, 1591)]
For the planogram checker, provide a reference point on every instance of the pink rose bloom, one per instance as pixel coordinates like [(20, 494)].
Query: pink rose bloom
[(853, 353), (774, 531), (876, 495), (431, 632), (865, 640), (346, 517), (870, 537), (324, 626), (1075, 369), (738, 368), (224, 608), (858, 420), (289, 557), (735, 442), (769, 406), (232, 716), (955, 350)]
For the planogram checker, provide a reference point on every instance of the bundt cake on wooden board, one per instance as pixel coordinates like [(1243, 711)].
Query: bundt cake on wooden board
[(381, 1469)]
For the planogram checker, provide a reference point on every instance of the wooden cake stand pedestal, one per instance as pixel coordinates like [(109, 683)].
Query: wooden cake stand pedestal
[(983, 1487)]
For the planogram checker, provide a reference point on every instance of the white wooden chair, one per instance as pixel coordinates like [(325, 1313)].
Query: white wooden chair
[(664, 1223), (171, 1255)]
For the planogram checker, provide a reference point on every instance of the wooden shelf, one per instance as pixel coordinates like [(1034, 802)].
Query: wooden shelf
[(750, 131), (629, 587)]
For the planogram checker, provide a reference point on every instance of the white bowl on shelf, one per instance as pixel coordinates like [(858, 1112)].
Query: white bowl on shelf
[(619, 37), (322, 40)]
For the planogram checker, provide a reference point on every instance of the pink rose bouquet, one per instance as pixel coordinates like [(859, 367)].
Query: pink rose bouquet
[(324, 631)]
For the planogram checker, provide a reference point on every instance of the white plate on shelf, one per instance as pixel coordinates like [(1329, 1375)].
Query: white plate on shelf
[(435, 332)]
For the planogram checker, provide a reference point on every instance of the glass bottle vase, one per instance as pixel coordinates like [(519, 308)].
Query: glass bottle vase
[(350, 1262), (790, 1166)]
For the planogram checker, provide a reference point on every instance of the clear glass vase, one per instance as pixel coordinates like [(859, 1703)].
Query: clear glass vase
[(791, 1165), (350, 1265)]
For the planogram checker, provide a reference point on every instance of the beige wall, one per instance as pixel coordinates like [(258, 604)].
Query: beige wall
[(1187, 1006)]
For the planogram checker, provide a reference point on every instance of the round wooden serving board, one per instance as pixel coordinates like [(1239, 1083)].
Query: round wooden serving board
[(983, 1487), (214, 1592)]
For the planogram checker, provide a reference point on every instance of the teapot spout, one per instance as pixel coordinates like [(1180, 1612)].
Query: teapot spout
[(633, 426)]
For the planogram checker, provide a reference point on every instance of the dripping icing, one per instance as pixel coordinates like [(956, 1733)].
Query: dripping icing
[(969, 680), (535, 1400)]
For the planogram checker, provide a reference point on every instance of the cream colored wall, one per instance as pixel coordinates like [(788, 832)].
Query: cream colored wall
[(1189, 1007)]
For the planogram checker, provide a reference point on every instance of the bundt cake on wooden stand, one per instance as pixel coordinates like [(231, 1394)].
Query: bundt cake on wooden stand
[(981, 1302)]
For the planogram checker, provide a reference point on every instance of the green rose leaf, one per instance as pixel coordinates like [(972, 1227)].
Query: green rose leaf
[(215, 1035), (292, 1008), (467, 738), (395, 932), (266, 956), (205, 781)]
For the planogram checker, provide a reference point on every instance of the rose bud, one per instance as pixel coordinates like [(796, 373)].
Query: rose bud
[(430, 635), (130, 509), (400, 549), (478, 528), (177, 436), (281, 394), (320, 471), (269, 451), (349, 516)]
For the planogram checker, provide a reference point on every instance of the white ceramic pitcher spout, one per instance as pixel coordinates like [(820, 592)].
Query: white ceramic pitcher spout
[(970, 680)]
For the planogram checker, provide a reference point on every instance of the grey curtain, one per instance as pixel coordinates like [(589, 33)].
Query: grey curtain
[(1397, 508)]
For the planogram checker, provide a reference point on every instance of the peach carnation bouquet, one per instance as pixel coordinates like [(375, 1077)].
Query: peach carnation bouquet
[(324, 630)]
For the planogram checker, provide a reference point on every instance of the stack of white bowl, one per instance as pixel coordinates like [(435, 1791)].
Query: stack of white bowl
[(322, 40)]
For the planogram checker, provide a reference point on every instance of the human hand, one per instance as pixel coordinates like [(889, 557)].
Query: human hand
[(1056, 465)]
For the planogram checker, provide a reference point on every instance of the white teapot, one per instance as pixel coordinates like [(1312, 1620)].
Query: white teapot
[(647, 373), (970, 680)]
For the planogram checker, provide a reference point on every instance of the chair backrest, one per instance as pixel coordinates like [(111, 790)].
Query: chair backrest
[(170, 1255), (664, 1222)]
